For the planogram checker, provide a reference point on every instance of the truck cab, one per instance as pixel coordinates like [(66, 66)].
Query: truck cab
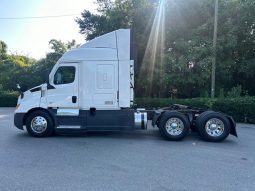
[(89, 88)]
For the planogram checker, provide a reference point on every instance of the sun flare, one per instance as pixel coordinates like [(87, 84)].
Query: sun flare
[(154, 48)]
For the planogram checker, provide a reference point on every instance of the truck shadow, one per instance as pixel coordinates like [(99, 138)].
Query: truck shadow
[(152, 134)]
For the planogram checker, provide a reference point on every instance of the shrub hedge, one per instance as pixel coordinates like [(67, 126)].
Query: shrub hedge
[(8, 99), (241, 109)]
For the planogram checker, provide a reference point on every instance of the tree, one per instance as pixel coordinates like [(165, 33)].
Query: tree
[(3, 48), (60, 47), (111, 16)]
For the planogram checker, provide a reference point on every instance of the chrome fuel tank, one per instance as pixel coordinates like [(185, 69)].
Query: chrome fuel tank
[(140, 119)]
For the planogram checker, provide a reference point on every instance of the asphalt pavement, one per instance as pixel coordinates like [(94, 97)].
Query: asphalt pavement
[(120, 161)]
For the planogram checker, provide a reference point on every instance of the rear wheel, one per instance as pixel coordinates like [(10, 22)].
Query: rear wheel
[(39, 124), (213, 126), (174, 126)]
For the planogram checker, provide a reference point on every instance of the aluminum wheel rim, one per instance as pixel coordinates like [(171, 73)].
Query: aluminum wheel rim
[(39, 124), (214, 127), (174, 126)]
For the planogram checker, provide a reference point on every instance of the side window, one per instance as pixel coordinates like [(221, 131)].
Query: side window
[(64, 75)]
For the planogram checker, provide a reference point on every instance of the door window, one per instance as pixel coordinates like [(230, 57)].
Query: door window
[(64, 75)]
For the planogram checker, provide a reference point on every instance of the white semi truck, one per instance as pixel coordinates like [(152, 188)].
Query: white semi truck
[(91, 88)]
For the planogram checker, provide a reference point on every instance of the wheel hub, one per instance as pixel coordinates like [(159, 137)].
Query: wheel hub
[(214, 127), (174, 126), (39, 124)]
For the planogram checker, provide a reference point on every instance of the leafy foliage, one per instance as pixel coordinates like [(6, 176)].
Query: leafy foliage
[(181, 66), (3, 48), (19, 69)]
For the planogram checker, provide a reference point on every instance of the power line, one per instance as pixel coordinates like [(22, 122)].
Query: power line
[(37, 17)]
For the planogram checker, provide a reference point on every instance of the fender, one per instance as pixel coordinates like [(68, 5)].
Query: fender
[(156, 116), (159, 112)]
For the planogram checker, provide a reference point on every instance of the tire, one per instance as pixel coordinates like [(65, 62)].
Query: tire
[(174, 126), (39, 124), (213, 126)]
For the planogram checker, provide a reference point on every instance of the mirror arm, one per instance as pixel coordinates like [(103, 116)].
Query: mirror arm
[(49, 86)]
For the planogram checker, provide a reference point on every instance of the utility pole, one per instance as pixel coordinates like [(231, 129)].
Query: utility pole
[(214, 48)]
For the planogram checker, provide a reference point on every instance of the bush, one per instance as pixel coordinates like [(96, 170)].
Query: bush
[(241, 108), (235, 92), (8, 99)]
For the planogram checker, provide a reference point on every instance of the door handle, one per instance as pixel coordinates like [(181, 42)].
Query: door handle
[(74, 99)]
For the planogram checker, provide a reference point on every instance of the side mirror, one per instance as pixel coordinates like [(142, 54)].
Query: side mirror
[(19, 90), (18, 87), (47, 80)]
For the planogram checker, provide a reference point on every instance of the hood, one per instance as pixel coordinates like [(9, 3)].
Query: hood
[(35, 89)]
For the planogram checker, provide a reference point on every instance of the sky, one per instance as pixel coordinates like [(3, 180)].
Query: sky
[(31, 37)]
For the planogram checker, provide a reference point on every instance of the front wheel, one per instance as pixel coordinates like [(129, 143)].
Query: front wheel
[(39, 124), (174, 125)]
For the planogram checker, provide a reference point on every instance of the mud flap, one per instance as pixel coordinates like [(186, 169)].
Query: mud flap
[(233, 126)]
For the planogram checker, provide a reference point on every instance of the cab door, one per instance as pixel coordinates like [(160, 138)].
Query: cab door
[(65, 83)]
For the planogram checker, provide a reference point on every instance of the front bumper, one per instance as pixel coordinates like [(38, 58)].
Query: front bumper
[(19, 120)]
